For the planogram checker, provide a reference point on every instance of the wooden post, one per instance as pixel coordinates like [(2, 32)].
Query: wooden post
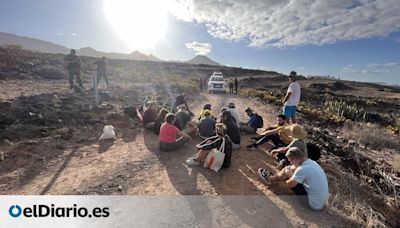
[(95, 90)]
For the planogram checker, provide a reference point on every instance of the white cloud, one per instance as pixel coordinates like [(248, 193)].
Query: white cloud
[(199, 48), (373, 68), (292, 22), (73, 34)]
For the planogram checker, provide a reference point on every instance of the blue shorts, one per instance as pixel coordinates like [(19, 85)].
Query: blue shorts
[(289, 111)]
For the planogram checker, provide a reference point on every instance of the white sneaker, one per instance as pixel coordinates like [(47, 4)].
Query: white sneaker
[(191, 161)]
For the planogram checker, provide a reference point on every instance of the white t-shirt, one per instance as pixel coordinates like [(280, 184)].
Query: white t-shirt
[(314, 180), (235, 115), (294, 98)]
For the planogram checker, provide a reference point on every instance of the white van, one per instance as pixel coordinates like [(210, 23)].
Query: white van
[(216, 83)]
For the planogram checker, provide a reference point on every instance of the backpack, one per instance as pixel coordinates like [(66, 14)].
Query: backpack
[(314, 152), (260, 121)]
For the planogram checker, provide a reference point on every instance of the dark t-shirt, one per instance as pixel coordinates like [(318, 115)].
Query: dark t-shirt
[(206, 127), (149, 115), (181, 119), (233, 131)]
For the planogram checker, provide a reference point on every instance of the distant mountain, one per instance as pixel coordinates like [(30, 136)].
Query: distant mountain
[(88, 51), (202, 59), (49, 47), (32, 43)]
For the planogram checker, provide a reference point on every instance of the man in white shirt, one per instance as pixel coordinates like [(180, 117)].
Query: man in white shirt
[(292, 98), (304, 177)]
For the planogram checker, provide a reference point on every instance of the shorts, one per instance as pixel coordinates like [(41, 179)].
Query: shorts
[(289, 110)]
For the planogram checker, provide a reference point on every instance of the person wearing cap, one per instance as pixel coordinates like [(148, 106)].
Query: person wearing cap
[(251, 125), (304, 177), (298, 135), (213, 142), (171, 138), (234, 113), (206, 125), (205, 107), (275, 133), (73, 64), (292, 98)]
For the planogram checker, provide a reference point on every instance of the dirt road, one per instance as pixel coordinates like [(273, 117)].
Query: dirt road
[(133, 165)]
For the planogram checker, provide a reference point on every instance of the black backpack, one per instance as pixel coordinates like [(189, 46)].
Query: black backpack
[(260, 121), (314, 152)]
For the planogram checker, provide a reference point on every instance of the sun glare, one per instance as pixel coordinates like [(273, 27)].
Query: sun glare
[(141, 23)]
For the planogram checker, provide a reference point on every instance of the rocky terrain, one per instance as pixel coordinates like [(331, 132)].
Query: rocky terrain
[(49, 136), (361, 154)]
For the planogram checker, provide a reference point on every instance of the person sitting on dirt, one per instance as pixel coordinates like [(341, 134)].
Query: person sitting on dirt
[(160, 120), (73, 64), (205, 107), (150, 115), (298, 135), (274, 133), (180, 100), (252, 124), (168, 135), (101, 70), (234, 113), (206, 125), (231, 129), (145, 105), (213, 142), (304, 177), (183, 121)]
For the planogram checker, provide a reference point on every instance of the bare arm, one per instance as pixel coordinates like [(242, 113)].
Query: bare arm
[(291, 183), (183, 134), (287, 97), (281, 150)]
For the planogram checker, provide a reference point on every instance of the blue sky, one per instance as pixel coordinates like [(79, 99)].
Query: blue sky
[(351, 39)]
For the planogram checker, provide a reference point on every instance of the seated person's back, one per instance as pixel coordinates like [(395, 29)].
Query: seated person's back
[(182, 117), (206, 125)]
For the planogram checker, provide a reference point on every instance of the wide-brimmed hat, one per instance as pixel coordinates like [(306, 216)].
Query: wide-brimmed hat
[(231, 105), (295, 131), (248, 110)]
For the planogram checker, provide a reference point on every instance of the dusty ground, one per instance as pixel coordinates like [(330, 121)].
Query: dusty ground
[(134, 165)]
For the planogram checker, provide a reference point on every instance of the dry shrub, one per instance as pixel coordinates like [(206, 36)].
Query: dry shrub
[(396, 162), (51, 72), (371, 135), (348, 198)]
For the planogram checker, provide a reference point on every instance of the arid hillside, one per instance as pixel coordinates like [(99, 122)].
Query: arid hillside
[(49, 137)]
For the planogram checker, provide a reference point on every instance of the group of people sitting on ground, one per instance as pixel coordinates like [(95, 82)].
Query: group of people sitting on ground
[(296, 158), (176, 127), (296, 161)]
